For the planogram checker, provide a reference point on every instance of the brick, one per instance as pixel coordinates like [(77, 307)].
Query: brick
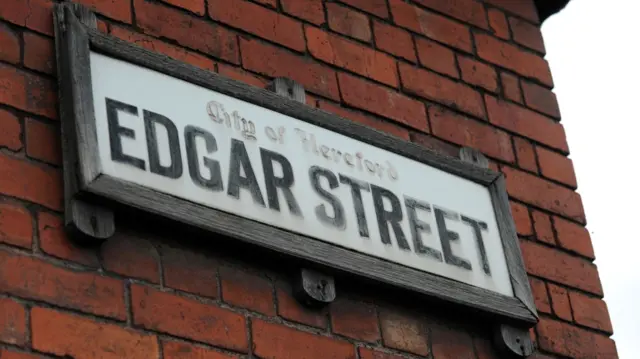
[(366, 353), (13, 327), (511, 57), (39, 53), (31, 182), (543, 226), (10, 131), (27, 91), (348, 22), (241, 75), (526, 123), (195, 6), (449, 343), (259, 21), (382, 101), (441, 89), (55, 242), (470, 133), (79, 337), (484, 349), (511, 87), (311, 100), (567, 340), (521, 218), (247, 290), (498, 23), (9, 45), (354, 57), (478, 73), (538, 355), (540, 295), (103, 26), (189, 271), (33, 14), (560, 302), (527, 34), (177, 350), (375, 7), (131, 255), (533, 335), (15, 225), (431, 25), (590, 312), (188, 318), (525, 153), (544, 194), (153, 44), (271, 3), (557, 167), (277, 341), (291, 309), (525, 9), (494, 166), (84, 291), (573, 237), (394, 40), (162, 21), (6, 354), (385, 126), (541, 99), (275, 62), (560, 267), (116, 9), (469, 11), (436, 57), (435, 144), (309, 10), (43, 141), (355, 320), (404, 332)]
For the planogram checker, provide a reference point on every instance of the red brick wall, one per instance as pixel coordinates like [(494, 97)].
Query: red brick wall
[(439, 73)]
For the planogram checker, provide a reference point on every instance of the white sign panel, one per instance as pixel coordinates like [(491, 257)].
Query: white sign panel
[(223, 153)]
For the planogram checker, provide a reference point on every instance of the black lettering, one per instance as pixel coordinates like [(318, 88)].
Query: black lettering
[(116, 132), (272, 183), (446, 236), (214, 182), (338, 219), (478, 226), (393, 216), (417, 226), (174, 170), (240, 162), (358, 206)]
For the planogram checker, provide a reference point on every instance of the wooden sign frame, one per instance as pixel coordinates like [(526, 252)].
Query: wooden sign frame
[(76, 37)]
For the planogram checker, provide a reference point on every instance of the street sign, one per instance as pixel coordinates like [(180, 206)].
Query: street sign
[(189, 145)]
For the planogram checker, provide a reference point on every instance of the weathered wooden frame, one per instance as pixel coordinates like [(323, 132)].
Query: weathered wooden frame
[(76, 38)]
